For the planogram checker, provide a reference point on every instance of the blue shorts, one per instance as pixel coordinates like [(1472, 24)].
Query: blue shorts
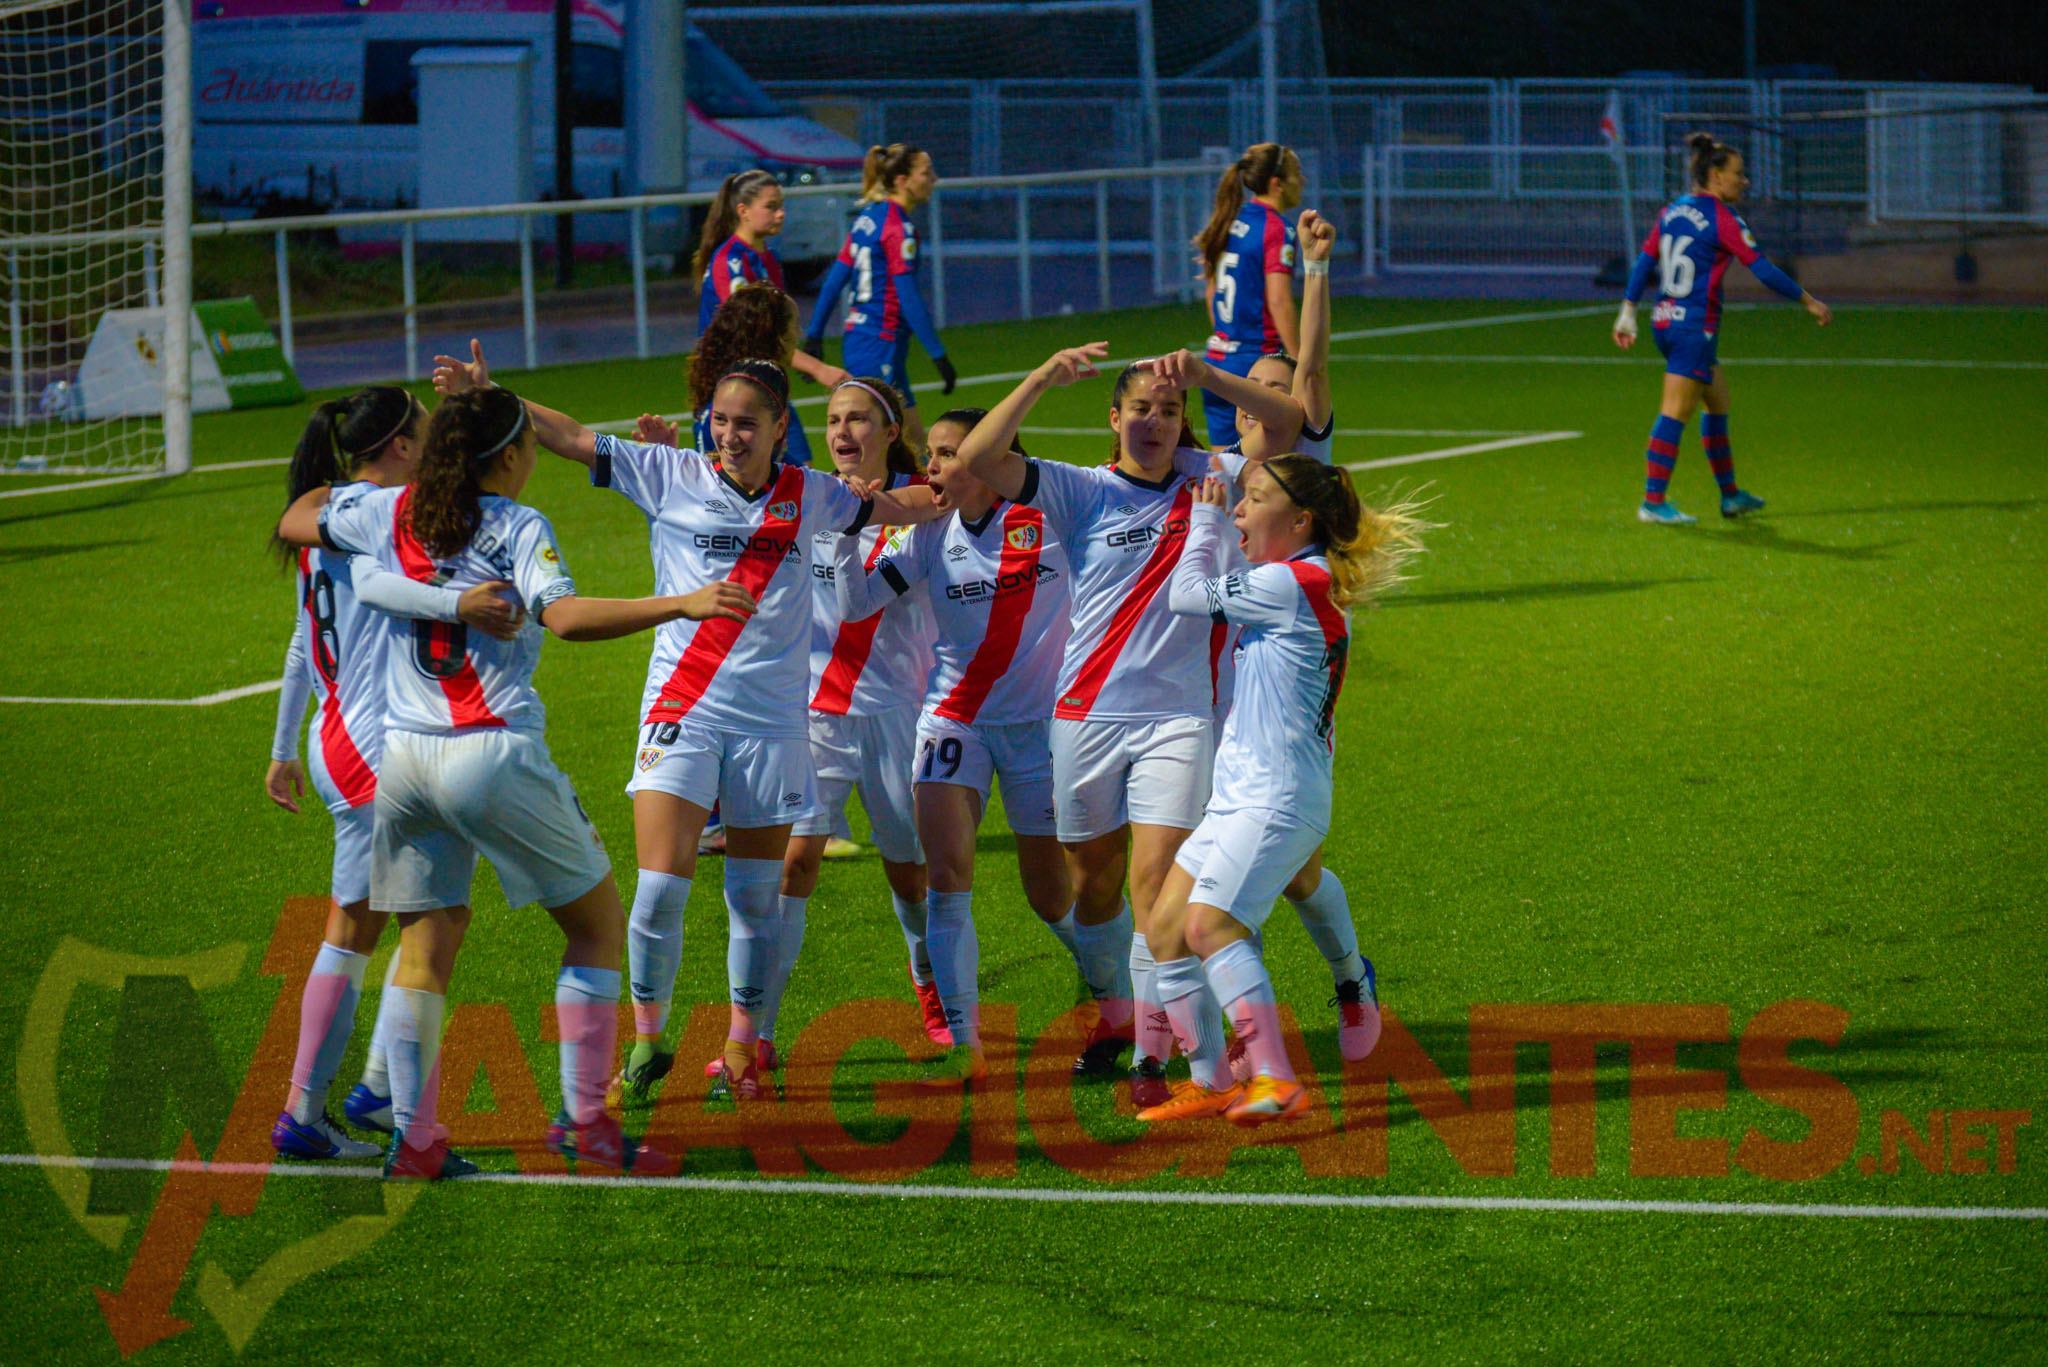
[(867, 354), (1221, 412), (1688, 353)]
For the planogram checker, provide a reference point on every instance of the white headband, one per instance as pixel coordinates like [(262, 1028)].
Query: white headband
[(880, 398)]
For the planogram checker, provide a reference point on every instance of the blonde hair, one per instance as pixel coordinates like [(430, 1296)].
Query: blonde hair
[(883, 167), (1367, 547)]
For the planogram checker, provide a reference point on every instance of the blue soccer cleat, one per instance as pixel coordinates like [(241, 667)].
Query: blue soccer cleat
[(1665, 514), (366, 1110), (1740, 502), (320, 1140)]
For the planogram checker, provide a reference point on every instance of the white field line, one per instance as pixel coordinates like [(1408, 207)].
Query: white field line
[(203, 700), (1476, 448), (1563, 1205), (1103, 430), (1740, 362), (141, 478)]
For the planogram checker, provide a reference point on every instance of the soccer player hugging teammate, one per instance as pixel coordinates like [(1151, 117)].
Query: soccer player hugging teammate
[(1131, 731), (880, 259), (1314, 552), (996, 578), (1247, 251), (466, 768), (723, 716), (336, 658), (1689, 248), (864, 682)]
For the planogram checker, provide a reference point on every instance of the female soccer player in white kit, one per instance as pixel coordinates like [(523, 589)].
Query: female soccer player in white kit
[(466, 767), (723, 715), (336, 659), (997, 580), (1131, 730), (1314, 551)]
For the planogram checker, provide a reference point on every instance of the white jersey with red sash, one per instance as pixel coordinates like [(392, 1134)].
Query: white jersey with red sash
[(876, 664)]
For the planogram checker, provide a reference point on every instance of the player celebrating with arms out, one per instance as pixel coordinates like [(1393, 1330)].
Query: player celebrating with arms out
[(997, 580), (1247, 251), (466, 766), (880, 259), (1314, 551), (723, 716), (1689, 248)]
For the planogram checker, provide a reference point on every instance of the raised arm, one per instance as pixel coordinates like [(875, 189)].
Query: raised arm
[(1188, 591), (1279, 417), (558, 432), (905, 507), (604, 619), (1280, 308), (1312, 366), (986, 449)]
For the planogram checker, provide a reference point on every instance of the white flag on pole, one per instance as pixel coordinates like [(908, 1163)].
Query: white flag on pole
[(1610, 123)]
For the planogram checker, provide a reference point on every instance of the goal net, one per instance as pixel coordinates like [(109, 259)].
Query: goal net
[(95, 229)]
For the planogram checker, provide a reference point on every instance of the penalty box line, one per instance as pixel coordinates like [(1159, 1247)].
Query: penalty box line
[(918, 1191)]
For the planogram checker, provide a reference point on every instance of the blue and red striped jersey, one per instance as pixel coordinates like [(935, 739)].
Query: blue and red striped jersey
[(733, 263), (881, 246), (1261, 244)]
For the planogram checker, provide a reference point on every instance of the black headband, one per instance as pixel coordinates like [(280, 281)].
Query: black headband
[(510, 437), (411, 406)]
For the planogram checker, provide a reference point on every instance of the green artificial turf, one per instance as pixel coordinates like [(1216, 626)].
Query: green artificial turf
[(1582, 763)]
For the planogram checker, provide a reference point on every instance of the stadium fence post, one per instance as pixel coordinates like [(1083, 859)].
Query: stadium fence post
[(152, 297), (14, 346), (1102, 294), (528, 323), (637, 231), (1024, 251), (177, 172), (284, 298), (938, 258), (1368, 211), (412, 319)]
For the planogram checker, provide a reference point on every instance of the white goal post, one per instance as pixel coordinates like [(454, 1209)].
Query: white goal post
[(96, 235)]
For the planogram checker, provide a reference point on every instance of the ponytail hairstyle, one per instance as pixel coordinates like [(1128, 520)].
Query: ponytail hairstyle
[(1252, 173), (1367, 547), (723, 219), (885, 166), (757, 322), (902, 460), (1116, 400), (467, 433), (1709, 154), (343, 435), (970, 418)]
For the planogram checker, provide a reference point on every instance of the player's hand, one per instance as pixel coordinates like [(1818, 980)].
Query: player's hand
[(655, 430), (948, 375), (832, 376), (1625, 327), (1214, 492), (484, 608), (862, 488), (1073, 363), (1316, 235), (285, 784), (722, 599), (1822, 314), (1182, 369), (454, 376)]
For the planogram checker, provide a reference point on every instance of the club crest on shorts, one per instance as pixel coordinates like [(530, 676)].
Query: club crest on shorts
[(1023, 538), (783, 511), (649, 757)]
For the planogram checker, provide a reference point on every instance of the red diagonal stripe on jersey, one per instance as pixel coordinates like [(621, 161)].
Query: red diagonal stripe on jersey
[(463, 689), (1219, 637), (851, 647), (1005, 616), (757, 564), (352, 775), (1315, 584), (1075, 703)]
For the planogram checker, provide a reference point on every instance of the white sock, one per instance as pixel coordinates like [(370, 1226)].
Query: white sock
[(791, 943), (1154, 1027), (377, 1067), (654, 946), (327, 1017), (911, 916), (415, 1060), (1197, 1019), (956, 963), (753, 919), (1238, 978), (1108, 957), (1326, 916), (587, 1008), (1066, 931)]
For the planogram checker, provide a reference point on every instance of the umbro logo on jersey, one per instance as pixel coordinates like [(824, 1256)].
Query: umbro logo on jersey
[(1126, 509), (792, 799), (1023, 538), (1206, 883), (956, 552), (717, 505), (785, 511)]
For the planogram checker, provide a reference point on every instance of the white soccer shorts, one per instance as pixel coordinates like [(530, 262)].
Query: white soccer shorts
[(1111, 773), (443, 800), (1242, 861), (873, 754), (755, 781), (975, 755), (354, 828)]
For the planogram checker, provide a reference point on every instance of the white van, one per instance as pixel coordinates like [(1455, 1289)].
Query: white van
[(316, 101)]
